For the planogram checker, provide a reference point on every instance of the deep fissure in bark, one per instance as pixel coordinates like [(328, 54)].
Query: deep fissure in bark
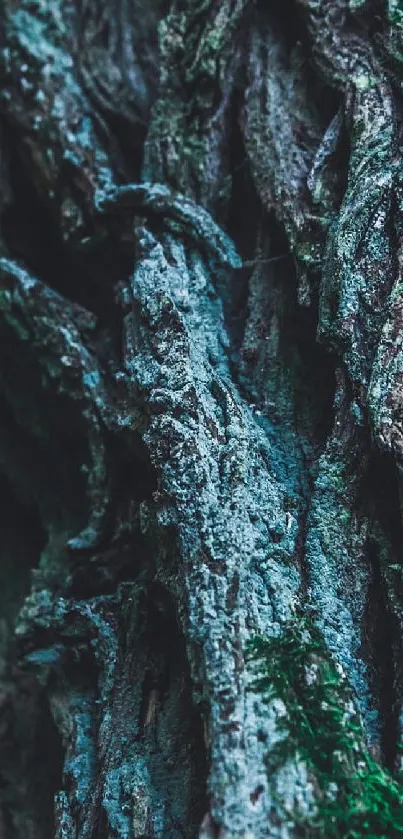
[(381, 640)]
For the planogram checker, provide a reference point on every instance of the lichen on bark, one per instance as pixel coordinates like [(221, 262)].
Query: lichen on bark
[(200, 377)]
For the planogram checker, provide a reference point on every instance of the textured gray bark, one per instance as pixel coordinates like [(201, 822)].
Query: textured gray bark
[(201, 419)]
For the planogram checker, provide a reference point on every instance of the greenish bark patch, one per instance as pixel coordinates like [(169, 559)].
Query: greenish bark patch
[(355, 796)]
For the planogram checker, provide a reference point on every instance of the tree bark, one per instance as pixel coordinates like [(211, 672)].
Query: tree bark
[(201, 372)]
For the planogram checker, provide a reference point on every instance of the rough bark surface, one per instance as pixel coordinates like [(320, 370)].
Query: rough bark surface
[(201, 447)]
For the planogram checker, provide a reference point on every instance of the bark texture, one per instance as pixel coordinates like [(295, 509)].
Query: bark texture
[(201, 411)]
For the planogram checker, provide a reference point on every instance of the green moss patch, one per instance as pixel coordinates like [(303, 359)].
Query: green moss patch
[(356, 797)]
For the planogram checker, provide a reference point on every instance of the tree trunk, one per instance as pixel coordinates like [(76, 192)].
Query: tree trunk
[(201, 371)]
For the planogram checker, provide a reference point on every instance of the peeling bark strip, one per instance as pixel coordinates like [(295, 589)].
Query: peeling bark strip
[(201, 426)]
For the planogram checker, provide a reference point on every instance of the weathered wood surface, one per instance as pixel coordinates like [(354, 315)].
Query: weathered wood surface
[(201, 376)]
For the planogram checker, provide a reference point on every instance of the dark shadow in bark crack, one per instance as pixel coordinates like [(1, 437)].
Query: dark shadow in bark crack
[(30, 748), (86, 273), (382, 646), (381, 643)]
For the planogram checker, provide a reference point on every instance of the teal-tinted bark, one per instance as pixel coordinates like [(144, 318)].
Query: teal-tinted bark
[(201, 419)]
